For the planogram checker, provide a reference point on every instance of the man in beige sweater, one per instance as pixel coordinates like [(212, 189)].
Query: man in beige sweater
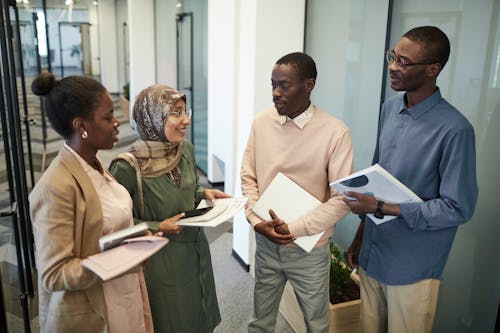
[(313, 149)]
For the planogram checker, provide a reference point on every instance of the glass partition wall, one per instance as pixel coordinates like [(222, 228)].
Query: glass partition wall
[(45, 35), (192, 72), (469, 292), (348, 39)]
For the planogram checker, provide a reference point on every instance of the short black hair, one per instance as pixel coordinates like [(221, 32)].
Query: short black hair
[(303, 63), (435, 43), (67, 99)]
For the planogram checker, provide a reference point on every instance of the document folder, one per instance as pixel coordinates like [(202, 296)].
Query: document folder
[(290, 202)]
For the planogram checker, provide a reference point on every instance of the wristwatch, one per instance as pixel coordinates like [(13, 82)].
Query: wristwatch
[(378, 212)]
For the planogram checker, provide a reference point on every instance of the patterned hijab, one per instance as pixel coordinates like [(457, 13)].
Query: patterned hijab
[(155, 154)]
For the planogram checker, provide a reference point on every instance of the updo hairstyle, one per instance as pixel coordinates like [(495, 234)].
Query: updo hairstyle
[(67, 99)]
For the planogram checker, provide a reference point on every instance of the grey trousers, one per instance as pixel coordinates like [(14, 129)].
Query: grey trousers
[(308, 273)]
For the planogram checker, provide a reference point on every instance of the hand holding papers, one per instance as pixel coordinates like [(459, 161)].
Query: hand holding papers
[(223, 210), (290, 202), (118, 260), (376, 181)]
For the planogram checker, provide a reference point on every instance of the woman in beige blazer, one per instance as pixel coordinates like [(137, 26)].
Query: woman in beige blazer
[(69, 216)]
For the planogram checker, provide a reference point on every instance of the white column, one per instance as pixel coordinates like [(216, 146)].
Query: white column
[(166, 42), (107, 45), (141, 46), (240, 61), (94, 40), (121, 27), (222, 89)]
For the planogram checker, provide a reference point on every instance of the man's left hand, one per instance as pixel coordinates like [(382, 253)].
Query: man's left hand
[(282, 228), (362, 204)]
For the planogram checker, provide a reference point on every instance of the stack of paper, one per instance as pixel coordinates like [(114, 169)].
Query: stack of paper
[(376, 181), (118, 260), (223, 210)]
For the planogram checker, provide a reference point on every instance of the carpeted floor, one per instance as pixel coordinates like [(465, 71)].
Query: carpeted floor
[(234, 285)]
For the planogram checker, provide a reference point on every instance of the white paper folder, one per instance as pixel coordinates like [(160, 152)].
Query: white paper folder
[(118, 260), (376, 181), (290, 202), (224, 209)]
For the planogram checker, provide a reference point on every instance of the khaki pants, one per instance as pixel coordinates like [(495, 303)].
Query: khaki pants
[(394, 309)]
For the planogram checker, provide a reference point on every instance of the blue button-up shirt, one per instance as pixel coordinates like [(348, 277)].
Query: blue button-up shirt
[(430, 148)]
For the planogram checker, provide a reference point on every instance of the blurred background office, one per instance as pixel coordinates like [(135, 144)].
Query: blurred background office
[(220, 53)]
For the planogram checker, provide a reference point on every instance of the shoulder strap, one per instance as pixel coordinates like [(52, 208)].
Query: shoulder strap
[(132, 160)]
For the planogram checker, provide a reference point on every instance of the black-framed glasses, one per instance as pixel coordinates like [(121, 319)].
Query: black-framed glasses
[(391, 57)]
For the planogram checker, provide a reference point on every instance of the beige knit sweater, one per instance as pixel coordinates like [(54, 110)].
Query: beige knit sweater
[(319, 153)]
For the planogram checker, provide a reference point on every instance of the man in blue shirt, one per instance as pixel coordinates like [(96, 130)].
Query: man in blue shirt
[(430, 147)]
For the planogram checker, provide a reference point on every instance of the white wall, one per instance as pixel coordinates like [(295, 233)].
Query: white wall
[(107, 45), (94, 40), (142, 46), (122, 44), (222, 89), (243, 244), (166, 48), (239, 70)]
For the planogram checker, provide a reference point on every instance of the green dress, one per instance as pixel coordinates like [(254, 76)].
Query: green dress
[(179, 278)]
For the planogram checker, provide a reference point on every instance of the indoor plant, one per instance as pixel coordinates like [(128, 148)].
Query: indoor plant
[(344, 299)]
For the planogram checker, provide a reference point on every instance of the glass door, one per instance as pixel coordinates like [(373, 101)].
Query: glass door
[(185, 63), (192, 75), (30, 43), (74, 49), (18, 308)]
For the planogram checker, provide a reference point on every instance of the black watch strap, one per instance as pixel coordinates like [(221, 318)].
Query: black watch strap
[(378, 211)]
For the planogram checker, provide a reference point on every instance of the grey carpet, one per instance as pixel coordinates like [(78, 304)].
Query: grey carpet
[(234, 289)]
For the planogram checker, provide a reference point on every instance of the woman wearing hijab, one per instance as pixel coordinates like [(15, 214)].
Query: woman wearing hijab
[(75, 202), (179, 278)]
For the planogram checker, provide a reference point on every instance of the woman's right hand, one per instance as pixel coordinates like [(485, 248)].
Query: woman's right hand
[(169, 226)]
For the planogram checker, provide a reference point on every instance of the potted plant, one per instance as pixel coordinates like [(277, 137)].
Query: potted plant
[(125, 101), (344, 298)]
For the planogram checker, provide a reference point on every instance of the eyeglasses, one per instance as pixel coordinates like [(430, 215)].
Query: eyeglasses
[(391, 57), (181, 113)]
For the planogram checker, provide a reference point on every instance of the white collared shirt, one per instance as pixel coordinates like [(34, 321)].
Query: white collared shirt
[(301, 120), (115, 200)]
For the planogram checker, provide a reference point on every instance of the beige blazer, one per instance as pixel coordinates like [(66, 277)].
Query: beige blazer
[(67, 223)]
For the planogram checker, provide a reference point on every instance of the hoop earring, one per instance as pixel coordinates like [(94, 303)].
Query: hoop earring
[(85, 135)]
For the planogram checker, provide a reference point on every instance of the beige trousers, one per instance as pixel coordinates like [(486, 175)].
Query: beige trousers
[(395, 309)]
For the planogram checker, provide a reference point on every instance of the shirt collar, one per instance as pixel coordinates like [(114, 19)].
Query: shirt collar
[(86, 167), (419, 109), (301, 120)]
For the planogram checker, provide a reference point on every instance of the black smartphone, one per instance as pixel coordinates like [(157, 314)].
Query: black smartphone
[(197, 212)]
